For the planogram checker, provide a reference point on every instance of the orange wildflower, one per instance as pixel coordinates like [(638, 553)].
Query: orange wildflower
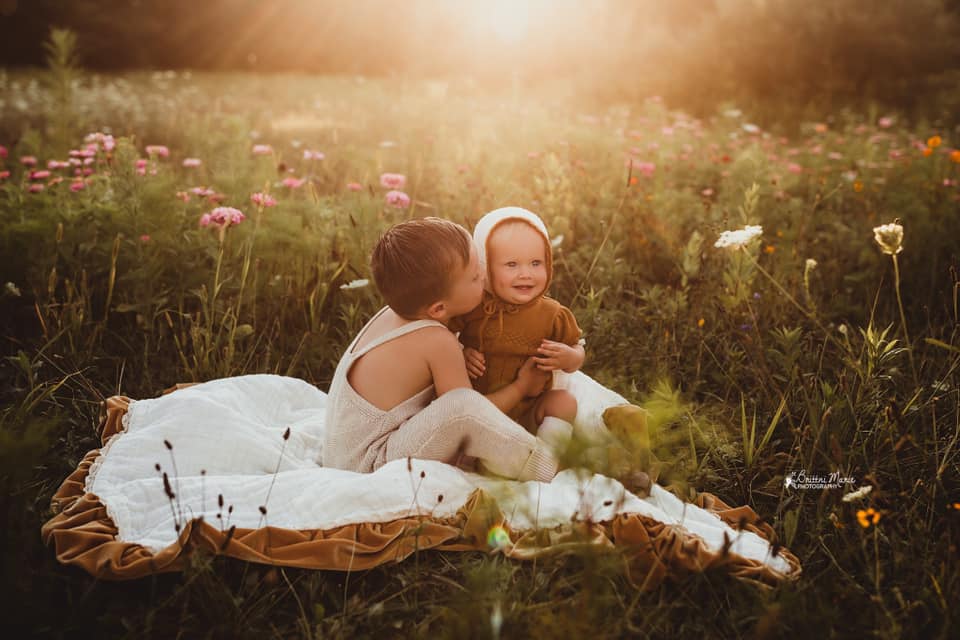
[(867, 517), (769, 248), (701, 322), (927, 151), (858, 186), (633, 180), (955, 155), (934, 141)]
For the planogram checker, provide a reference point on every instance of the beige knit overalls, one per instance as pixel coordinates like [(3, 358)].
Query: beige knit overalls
[(362, 437)]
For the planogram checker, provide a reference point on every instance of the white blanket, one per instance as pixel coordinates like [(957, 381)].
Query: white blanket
[(226, 438)]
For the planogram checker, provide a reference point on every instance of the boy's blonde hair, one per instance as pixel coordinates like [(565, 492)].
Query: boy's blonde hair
[(415, 261)]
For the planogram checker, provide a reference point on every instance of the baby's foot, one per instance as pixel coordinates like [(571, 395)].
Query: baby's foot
[(637, 483)]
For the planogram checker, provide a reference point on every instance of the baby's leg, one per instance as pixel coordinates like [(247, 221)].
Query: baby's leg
[(463, 421), (555, 412)]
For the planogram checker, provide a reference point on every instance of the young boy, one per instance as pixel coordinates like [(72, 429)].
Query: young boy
[(401, 388), (517, 320)]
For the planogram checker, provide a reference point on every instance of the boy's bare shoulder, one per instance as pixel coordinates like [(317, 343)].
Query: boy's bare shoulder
[(434, 339)]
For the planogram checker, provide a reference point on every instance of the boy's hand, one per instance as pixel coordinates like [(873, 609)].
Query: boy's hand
[(557, 355), (476, 365), (532, 380)]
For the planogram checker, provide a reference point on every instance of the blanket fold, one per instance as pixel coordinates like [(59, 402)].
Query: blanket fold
[(113, 518)]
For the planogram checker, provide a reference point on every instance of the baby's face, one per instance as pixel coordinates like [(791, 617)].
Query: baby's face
[(517, 263)]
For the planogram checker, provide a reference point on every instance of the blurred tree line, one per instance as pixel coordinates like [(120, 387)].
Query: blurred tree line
[(899, 53)]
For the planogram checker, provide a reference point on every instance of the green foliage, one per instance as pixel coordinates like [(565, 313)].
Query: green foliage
[(115, 288)]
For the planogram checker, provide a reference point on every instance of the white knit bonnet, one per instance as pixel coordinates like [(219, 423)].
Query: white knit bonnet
[(486, 225)]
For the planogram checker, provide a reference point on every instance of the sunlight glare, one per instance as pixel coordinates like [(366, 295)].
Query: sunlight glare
[(508, 19)]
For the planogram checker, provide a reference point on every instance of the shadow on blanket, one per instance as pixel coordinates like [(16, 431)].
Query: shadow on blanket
[(83, 534)]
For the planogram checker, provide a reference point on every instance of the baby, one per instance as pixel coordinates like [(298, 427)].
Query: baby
[(401, 388), (516, 321)]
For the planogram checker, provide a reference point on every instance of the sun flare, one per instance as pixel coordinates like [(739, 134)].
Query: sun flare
[(509, 20)]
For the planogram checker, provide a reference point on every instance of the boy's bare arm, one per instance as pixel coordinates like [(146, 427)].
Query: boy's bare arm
[(445, 359), (449, 371)]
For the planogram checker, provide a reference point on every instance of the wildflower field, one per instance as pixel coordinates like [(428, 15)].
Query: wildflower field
[(782, 299)]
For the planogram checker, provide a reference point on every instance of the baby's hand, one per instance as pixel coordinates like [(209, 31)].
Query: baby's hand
[(557, 355), (531, 379), (476, 365)]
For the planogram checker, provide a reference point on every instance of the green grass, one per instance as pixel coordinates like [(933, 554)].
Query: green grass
[(752, 364)]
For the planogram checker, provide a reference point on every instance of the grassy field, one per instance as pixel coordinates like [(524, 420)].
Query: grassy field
[(812, 347)]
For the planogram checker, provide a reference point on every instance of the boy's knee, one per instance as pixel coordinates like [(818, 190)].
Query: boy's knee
[(560, 404)]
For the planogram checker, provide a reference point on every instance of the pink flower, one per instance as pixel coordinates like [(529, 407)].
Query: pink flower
[(793, 167), (4, 175), (191, 162), (77, 185), (3, 152), (313, 155), (354, 186), (57, 164), (28, 161), (144, 238), (225, 216), (203, 192), (397, 199), (91, 161), (216, 197), (100, 139), (140, 163), (157, 150), (646, 168), (393, 180), (39, 175), (263, 200), (205, 220), (262, 150), (885, 122), (141, 171), (36, 187), (183, 195), (293, 183)]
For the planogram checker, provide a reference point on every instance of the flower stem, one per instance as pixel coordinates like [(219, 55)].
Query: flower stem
[(795, 303), (903, 319)]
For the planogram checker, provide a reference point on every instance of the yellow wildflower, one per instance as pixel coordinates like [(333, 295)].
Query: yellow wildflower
[(701, 322)]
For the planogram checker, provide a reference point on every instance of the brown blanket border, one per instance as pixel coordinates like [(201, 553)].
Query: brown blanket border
[(84, 535)]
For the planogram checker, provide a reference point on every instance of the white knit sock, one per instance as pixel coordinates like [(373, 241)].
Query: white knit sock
[(557, 433)]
